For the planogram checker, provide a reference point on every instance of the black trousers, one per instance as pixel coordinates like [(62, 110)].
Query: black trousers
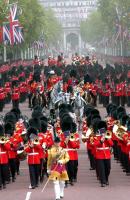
[(117, 100), (17, 165), (128, 101), (12, 165), (104, 167), (92, 160), (1, 105), (30, 99), (3, 174), (15, 103), (72, 169), (105, 100), (34, 174)]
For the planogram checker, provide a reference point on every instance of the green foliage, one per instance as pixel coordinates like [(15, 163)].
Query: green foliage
[(36, 21), (102, 23), (93, 29), (3, 11)]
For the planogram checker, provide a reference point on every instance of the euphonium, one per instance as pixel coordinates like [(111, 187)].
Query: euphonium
[(120, 132)]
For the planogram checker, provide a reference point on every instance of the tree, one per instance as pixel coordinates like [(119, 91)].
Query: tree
[(93, 28)]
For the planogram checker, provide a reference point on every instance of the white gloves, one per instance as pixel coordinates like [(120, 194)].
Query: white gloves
[(60, 162), (44, 145), (48, 171)]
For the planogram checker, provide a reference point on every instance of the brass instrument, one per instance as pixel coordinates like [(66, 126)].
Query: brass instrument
[(71, 137), (92, 136), (3, 140), (121, 130), (84, 138), (108, 135), (36, 141), (21, 155)]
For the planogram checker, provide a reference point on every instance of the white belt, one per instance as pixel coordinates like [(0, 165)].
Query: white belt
[(30, 154), (71, 149), (2, 152), (103, 148)]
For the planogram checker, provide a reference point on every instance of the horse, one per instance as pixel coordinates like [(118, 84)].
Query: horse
[(89, 98), (38, 99), (79, 104)]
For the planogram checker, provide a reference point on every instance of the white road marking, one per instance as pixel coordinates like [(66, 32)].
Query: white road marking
[(28, 195)]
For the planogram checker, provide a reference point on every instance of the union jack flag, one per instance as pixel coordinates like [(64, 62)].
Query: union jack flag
[(21, 38), (6, 33), (14, 22)]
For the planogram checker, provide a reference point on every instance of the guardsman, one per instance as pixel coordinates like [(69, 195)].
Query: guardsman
[(42, 152), (73, 80), (4, 148), (15, 97), (2, 98), (32, 149), (23, 91), (103, 153), (73, 144), (8, 91)]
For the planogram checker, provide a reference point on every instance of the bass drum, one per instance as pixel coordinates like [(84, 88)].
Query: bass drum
[(21, 155)]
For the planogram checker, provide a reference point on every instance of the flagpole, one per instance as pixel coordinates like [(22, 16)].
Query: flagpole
[(5, 52)]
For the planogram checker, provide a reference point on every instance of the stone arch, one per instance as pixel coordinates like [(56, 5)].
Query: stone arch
[(72, 40)]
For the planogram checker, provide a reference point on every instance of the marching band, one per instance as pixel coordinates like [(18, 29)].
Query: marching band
[(51, 143)]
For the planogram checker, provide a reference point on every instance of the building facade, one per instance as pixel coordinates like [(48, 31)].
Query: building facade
[(70, 13)]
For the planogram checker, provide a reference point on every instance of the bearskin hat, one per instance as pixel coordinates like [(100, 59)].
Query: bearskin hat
[(17, 112), (95, 112), (10, 117), (44, 118), (73, 73), (35, 123), (123, 120), (101, 126), (43, 126), (114, 114), (109, 107), (120, 109), (87, 79), (37, 114), (63, 106), (31, 132), (66, 122), (88, 110), (95, 117), (9, 128), (95, 124)]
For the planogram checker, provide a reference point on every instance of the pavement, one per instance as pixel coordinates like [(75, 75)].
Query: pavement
[(87, 187)]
